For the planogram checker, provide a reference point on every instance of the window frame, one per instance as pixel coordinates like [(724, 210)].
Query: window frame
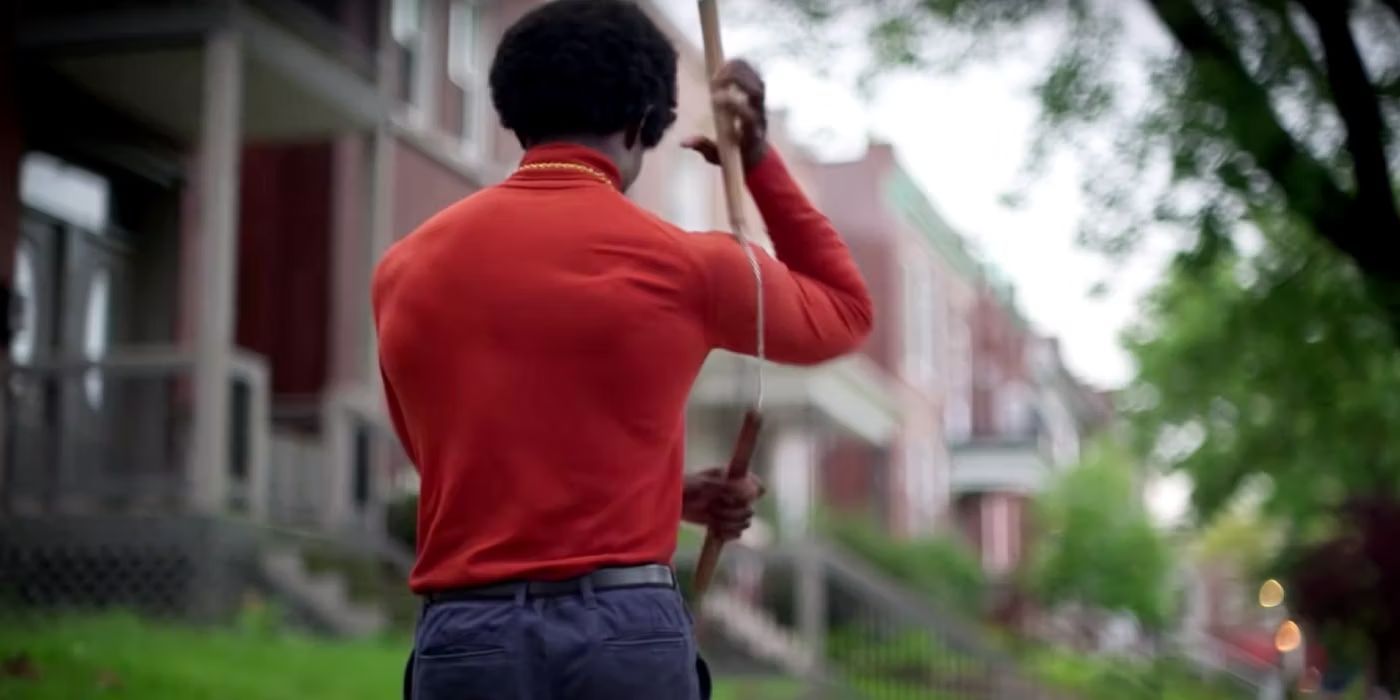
[(469, 76), (410, 35)]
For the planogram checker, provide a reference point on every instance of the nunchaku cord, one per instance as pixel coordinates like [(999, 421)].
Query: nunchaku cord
[(760, 346)]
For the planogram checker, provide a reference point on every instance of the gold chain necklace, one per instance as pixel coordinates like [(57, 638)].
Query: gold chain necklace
[(576, 167)]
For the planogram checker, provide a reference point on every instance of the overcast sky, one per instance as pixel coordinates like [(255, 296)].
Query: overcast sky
[(964, 135)]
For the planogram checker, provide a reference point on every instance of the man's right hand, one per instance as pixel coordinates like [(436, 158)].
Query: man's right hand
[(726, 507), (738, 90)]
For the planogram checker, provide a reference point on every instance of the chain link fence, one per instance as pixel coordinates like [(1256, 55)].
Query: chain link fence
[(163, 566)]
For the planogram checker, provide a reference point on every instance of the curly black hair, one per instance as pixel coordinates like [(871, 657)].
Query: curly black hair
[(585, 67)]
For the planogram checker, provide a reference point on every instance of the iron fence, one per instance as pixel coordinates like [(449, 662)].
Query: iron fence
[(815, 612)]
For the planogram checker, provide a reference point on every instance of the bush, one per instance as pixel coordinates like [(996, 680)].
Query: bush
[(401, 520), (1094, 678), (939, 568), (909, 664)]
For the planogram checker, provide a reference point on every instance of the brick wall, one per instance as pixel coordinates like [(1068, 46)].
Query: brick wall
[(285, 212)]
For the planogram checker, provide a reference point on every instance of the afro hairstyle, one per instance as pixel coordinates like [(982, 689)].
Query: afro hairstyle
[(585, 67)]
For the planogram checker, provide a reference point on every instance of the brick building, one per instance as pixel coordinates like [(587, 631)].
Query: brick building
[(195, 196), (987, 408)]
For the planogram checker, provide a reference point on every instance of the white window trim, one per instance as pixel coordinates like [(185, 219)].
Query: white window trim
[(24, 341), (919, 365), (469, 76), (422, 103)]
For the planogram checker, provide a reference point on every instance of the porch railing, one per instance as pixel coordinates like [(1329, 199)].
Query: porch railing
[(113, 434), (335, 464), (812, 610)]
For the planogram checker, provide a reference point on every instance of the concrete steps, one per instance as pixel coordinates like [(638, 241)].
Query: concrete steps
[(756, 631), (324, 596)]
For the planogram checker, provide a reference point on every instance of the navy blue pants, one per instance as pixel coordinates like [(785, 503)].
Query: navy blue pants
[(617, 644)]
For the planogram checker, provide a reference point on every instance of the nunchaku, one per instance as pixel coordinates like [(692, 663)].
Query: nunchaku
[(731, 169)]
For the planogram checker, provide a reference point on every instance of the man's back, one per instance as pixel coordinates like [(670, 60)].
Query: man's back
[(538, 342), (540, 338)]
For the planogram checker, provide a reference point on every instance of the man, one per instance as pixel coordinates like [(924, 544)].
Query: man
[(538, 341)]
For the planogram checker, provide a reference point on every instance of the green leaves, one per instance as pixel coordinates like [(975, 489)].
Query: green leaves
[(1097, 546), (1254, 104), (942, 569), (1290, 340)]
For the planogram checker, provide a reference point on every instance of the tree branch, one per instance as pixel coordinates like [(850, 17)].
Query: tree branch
[(1307, 185), (1295, 43), (1251, 123), (1390, 89), (1360, 111)]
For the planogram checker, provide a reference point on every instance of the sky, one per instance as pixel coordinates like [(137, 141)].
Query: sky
[(964, 136)]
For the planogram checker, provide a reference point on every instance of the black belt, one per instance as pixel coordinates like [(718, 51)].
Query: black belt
[(645, 576)]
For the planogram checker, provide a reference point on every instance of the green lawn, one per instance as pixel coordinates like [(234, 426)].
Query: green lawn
[(121, 656)]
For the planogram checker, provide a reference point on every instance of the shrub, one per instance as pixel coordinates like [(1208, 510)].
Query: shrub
[(940, 568)]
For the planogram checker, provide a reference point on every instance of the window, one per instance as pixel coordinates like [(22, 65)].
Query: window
[(957, 416), (65, 191), (23, 342), (690, 195), (919, 350), (465, 70), (1015, 411), (406, 25), (95, 333)]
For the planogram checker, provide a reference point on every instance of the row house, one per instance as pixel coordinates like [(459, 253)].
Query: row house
[(987, 409), (195, 196), (919, 287), (1030, 419)]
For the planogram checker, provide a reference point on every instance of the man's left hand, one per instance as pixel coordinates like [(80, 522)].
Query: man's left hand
[(739, 91), (724, 506)]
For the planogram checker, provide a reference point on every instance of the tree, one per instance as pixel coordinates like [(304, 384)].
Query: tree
[(1098, 547), (1239, 538), (1274, 370), (1355, 612), (1286, 105), (1274, 374)]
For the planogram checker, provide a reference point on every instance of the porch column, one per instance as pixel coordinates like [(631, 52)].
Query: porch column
[(793, 481), (381, 218), (220, 138), (381, 182), (339, 438), (796, 460)]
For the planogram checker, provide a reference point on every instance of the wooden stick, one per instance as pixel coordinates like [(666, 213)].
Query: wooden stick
[(731, 163), (738, 469), (731, 167)]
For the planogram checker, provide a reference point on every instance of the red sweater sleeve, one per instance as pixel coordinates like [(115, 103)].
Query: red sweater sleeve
[(816, 306)]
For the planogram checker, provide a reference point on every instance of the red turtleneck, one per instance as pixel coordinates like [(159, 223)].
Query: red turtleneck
[(538, 340)]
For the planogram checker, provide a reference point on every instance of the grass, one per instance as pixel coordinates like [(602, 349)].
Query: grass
[(1093, 678), (120, 656), (114, 656), (757, 688)]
